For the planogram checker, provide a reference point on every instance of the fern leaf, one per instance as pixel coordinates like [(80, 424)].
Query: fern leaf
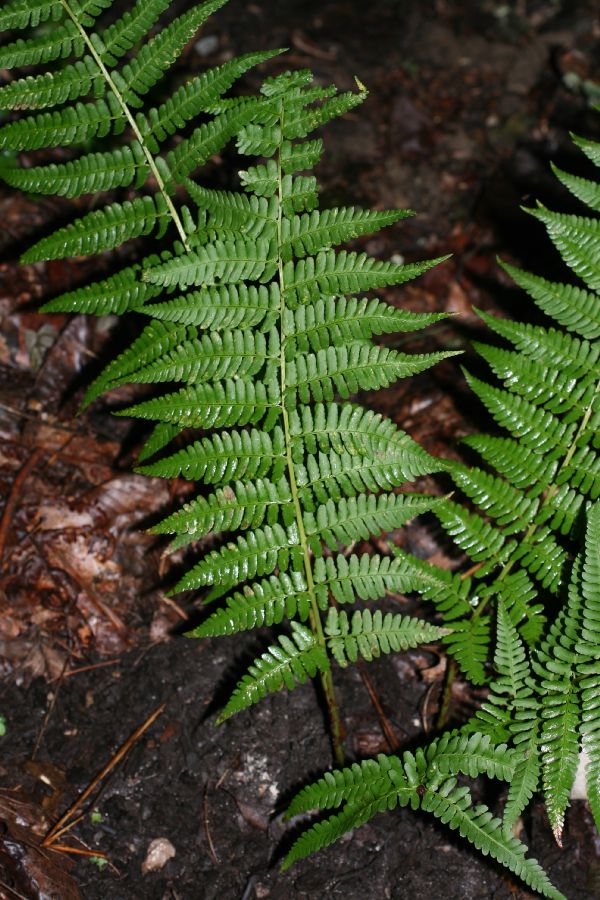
[(506, 456), (451, 804), (221, 261), (291, 662), (210, 405), (368, 635), (117, 294), (257, 553), (549, 346), (576, 239), (358, 517), (206, 140), (345, 273), (53, 88), (155, 340), (196, 96), (91, 173), (537, 429), (587, 667), (348, 369), (314, 326), (525, 779), (224, 306), (241, 505), (266, 602), (227, 354), (510, 508), (103, 229), (62, 42), (367, 577), (561, 393), (130, 28), (473, 754), (225, 457), (73, 125), (141, 74), (571, 306), (307, 234), (585, 190), (25, 13), (298, 157), (355, 430)]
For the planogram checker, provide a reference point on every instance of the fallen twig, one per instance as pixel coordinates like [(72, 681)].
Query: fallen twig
[(66, 821)]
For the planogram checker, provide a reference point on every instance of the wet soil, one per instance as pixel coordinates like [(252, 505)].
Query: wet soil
[(468, 103)]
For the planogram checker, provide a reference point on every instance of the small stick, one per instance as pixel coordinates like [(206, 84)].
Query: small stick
[(121, 752), (79, 851), (15, 495), (384, 722), (91, 667), (211, 846)]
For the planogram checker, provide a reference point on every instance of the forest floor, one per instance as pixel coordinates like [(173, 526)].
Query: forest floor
[(469, 101)]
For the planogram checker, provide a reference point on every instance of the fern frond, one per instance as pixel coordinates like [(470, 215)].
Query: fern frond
[(568, 304), (71, 125), (287, 664), (103, 229), (242, 505), (577, 240), (307, 234), (257, 553), (224, 306), (221, 261), (345, 273), (25, 13), (367, 577), (227, 354), (225, 457), (211, 405), (452, 805), (86, 175), (314, 326), (266, 602), (350, 368), (142, 73), (368, 635), (358, 517), (537, 429), (116, 294)]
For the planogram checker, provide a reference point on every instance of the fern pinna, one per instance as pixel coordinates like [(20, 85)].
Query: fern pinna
[(536, 487), (263, 324)]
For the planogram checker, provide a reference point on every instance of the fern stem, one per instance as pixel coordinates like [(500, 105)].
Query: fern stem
[(132, 123), (316, 625)]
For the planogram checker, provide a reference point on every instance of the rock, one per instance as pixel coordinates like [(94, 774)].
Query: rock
[(160, 851)]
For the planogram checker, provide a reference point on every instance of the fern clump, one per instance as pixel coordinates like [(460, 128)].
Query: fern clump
[(532, 583), (264, 327)]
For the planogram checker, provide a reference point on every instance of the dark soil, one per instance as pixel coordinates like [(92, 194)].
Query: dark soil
[(469, 100)]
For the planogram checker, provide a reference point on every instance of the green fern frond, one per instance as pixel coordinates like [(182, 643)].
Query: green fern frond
[(266, 602), (368, 635), (452, 805), (103, 229), (287, 664), (577, 240), (568, 304), (225, 457)]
